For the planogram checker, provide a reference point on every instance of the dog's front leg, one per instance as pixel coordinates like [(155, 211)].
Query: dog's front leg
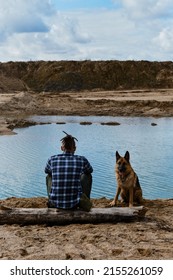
[(131, 197), (114, 201)]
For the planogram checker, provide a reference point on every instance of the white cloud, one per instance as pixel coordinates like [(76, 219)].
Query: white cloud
[(165, 39), (148, 8), (24, 16), (134, 29)]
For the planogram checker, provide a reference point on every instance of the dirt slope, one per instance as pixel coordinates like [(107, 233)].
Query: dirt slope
[(58, 76)]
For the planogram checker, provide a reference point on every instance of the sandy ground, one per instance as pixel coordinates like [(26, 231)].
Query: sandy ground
[(150, 238)]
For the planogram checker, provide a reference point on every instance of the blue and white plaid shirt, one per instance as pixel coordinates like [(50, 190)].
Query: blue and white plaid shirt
[(66, 170)]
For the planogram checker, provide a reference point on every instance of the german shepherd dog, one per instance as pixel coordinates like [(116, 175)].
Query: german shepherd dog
[(128, 185)]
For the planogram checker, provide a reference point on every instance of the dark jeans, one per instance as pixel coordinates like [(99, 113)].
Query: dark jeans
[(86, 183)]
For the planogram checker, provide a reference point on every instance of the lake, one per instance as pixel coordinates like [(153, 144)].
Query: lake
[(24, 156)]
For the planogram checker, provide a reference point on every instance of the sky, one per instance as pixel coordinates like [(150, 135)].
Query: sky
[(32, 30)]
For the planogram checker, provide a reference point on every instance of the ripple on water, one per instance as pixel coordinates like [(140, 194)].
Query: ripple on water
[(23, 156)]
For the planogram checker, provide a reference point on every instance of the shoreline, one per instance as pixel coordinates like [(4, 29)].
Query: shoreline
[(16, 107), (8, 127)]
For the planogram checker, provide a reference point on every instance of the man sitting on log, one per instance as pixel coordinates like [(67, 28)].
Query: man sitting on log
[(69, 178)]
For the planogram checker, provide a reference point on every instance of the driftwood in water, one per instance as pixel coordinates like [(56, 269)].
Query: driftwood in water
[(25, 216)]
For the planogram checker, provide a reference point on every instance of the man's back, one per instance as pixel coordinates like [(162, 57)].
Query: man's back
[(66, 170)]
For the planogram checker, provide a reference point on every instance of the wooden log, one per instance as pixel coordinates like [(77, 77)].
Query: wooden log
[(25, 216)]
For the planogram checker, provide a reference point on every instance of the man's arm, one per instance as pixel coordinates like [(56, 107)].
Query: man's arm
[(48, 169), (88, 168)]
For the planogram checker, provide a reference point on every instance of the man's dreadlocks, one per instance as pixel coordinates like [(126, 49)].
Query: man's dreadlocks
[(68, 142)]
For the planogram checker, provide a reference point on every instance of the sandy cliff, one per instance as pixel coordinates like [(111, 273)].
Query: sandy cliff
[(58, 76)]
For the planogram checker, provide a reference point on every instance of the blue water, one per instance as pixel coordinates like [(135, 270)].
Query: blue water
[(24, 156)]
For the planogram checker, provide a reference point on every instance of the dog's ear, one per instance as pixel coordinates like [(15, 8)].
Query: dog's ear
[(127, 156), (117, 156)]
